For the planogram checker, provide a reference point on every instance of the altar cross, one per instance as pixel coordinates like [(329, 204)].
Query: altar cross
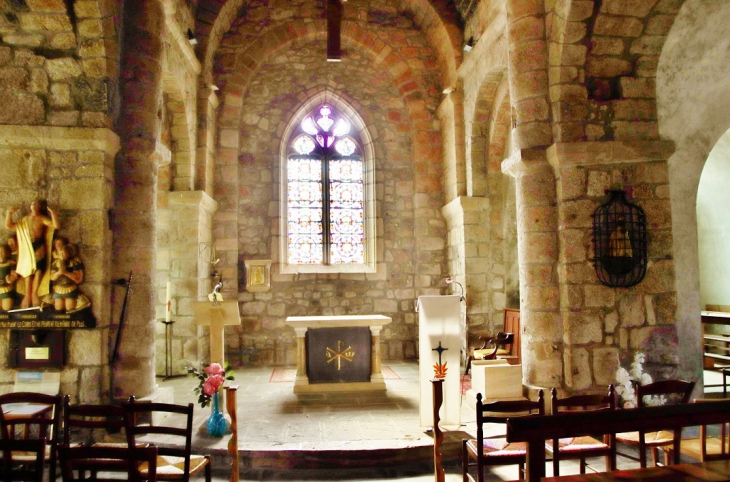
[(334, 29)]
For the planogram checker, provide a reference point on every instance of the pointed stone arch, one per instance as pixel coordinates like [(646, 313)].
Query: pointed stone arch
[(436, 17)]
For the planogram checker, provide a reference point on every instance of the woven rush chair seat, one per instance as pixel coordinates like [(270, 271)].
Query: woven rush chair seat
[(499, 448), (674, 392), (585, 446), (102, 464), (578, 444), (663, 437), (175, 460), (172, 467)]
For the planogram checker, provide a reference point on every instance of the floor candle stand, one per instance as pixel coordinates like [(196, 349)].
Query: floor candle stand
[(168, 352)]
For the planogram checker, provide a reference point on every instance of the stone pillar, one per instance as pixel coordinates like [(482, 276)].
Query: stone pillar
[(191, 220), (542, 337), (135, 195), (471, 262), (528, 78), (375, 370), (301, 354), (605, 326), (205, 158)]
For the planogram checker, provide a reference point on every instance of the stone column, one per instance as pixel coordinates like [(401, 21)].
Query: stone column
[(301, 354), (375, 370), (205, 158), (542, 342), (528, 78), (191, 220), (135, 195), (606, 326), (471, 263)]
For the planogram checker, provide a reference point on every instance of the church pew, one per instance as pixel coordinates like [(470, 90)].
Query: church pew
[(535, 430)]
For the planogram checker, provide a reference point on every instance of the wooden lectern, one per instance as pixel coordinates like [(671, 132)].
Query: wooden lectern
[(217, 314)]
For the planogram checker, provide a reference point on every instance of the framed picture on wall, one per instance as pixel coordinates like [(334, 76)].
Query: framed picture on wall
[(258, 275)]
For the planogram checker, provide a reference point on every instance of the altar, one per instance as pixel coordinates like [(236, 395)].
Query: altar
[(338, 353)]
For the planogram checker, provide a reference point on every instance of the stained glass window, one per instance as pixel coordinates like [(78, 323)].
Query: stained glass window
[(325, 193)]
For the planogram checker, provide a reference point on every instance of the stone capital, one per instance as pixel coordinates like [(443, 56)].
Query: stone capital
[(194, 198), (60, 138), (455, 210), (573, 154), (524, 162)]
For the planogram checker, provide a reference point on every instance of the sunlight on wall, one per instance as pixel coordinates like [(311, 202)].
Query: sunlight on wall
[(713, 225)]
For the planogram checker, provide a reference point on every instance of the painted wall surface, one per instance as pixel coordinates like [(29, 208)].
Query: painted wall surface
[(713, 225), (693, 106)]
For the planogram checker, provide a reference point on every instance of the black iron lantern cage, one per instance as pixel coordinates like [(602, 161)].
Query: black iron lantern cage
[(620, 241)]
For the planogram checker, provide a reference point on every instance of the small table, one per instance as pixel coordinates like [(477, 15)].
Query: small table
[(16, 411), (708, 471)]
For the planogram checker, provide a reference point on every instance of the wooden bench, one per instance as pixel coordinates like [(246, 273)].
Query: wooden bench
[(535, 430)]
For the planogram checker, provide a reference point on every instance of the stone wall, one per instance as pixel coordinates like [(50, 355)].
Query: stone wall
[(397, 101)]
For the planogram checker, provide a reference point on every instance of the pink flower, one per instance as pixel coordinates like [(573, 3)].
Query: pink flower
[(212, 384), (214, 369)]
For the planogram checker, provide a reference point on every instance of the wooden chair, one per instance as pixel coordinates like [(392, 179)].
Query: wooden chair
[(26, 416), (485, 451), (706, 448), (32, 449), (173, 462), (106, 463), (506, 344), (586, 446), (675, 391), (83, 423)]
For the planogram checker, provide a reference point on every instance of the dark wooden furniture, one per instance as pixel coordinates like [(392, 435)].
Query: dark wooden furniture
[(706, 448), (722, 342), (175, 460), (104, 464), (709, 471), (25, 415), (33, 449), (506, 344), (584, 446), (535, 430), (84, 423), (484, 451), (231, 392), (674, 392)]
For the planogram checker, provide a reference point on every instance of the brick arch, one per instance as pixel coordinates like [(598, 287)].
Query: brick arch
[(437, 18), (607, 54), (281, 37), (479, 133)]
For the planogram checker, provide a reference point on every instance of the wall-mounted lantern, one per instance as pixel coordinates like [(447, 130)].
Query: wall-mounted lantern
[(620, 241)]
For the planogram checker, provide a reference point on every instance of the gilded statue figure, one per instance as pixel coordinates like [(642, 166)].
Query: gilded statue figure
[(8, 277), (67, 272), (34, 234)]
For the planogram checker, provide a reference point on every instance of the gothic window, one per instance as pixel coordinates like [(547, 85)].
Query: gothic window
[(326, 193)]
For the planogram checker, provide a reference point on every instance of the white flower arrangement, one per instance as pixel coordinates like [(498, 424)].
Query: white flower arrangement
[(625, 386)]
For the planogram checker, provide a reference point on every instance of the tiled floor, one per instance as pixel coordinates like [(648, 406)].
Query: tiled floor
[(282, 434)]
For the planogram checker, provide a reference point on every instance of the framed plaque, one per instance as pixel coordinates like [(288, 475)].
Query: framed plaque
[(37, 348)]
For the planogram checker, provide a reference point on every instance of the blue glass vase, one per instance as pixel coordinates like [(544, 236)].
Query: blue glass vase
[(217, 425)]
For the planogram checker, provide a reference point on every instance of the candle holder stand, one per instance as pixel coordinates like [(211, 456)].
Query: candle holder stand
[(168, 352)]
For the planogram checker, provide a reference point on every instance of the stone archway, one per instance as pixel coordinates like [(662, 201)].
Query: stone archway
[(694, 111)]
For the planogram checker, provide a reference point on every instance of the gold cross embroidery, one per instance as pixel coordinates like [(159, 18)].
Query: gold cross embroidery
[(347, 354)]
